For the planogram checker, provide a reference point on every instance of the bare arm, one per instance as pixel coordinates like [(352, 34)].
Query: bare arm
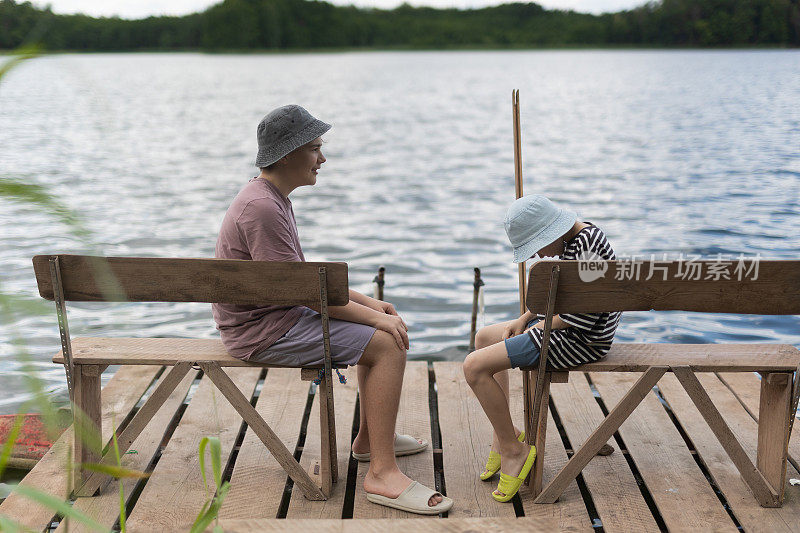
[(365, 300), (518, 326), (557, 323)]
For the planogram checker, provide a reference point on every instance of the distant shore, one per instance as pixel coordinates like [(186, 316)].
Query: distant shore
[(303, 25), (305, 51)]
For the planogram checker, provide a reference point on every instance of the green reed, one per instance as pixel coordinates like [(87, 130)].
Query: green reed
[(11, 308)]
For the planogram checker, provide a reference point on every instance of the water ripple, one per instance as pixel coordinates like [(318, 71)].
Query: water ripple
[(669, 152)]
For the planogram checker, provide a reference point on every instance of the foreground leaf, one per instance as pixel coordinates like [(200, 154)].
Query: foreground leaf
[(59, 506), (115, 471)]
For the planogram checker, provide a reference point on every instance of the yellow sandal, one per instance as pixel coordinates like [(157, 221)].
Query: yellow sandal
[(509, 485), (493, 462)]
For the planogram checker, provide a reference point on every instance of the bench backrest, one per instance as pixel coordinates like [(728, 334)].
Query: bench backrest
[(159, 279), (769, 287)]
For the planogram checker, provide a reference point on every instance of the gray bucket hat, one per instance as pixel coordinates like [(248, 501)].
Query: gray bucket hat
[(284, 130), (532, 222)]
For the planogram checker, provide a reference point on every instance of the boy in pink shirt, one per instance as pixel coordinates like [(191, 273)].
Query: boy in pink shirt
[(260, 225)]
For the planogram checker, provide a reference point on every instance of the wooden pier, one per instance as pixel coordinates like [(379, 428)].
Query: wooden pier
[(668, 471)]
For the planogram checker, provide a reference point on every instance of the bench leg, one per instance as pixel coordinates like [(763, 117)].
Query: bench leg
[(537, 436), (329, 468), (251, 417), (88, 439), (132, 431), (604, 431), (766, 495), (773, 428)]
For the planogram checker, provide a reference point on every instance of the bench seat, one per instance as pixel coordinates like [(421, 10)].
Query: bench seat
[(151, 351), (622, 357), (634, 357)]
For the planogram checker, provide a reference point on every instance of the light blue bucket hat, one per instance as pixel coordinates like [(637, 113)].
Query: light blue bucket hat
[(532, 222), (284, 130)]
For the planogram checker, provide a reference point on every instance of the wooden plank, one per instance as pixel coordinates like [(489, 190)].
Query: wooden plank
[(151, 351), (166, 279), (537, 423), (466, 442), (773, 428), (610, 481), (748, 512), (327, 467), (679, 489), (104, 508), (160, 394), (623, 357), (87, 423), (265, 433), (569, 512), (413, 418), (258, 480), (345, 399), (764, 491), (451, 525), (775, 291), (747, 388), (174, 494), (49, 475), (600, 436), (634, 357)]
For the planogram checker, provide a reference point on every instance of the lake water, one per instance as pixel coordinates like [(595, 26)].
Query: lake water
[(669, 152)]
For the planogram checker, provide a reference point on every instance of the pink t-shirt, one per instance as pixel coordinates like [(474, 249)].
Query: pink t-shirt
[(259, 225)]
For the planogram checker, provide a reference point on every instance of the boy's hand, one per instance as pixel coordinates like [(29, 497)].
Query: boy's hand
[(514, 328), (395, 326), (387, 308)]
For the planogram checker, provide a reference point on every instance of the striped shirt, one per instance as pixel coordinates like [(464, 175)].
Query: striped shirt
[(588, 337)]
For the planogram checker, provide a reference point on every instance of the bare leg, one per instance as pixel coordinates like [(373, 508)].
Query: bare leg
[(480, 369), (380, 383), (486, 337), (361, 442)]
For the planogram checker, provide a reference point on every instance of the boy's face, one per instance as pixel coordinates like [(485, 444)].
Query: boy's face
[(302, 164), (555, 248)]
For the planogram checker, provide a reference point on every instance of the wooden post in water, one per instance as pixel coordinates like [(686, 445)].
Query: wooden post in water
[(379, 282), (476, 290)]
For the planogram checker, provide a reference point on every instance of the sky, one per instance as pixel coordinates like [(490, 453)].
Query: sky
[(143, 8)]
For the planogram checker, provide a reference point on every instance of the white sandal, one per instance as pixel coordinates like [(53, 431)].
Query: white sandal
[(414, 500), (403, 445)]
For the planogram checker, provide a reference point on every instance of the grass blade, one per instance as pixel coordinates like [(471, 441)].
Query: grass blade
[(58, 505), (203, 444), (117, 472), (9, 526)]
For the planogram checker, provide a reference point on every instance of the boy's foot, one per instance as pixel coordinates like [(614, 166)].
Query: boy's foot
[(496, 443), (392, 484), (403, 445), (513, 461), (493, 462)]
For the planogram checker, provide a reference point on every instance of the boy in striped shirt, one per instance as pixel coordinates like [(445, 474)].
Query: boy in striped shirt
[(535, 226)]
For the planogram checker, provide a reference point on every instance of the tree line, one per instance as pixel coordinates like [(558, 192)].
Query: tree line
[(305, 24)]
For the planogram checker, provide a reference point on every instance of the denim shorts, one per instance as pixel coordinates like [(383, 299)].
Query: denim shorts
[(522, 351)]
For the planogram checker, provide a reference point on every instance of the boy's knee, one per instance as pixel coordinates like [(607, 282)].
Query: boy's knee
[(387, 346), (481, 338), (472, 368)]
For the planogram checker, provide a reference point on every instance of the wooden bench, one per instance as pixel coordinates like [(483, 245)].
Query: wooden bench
[(115, 279), (556, 287)]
